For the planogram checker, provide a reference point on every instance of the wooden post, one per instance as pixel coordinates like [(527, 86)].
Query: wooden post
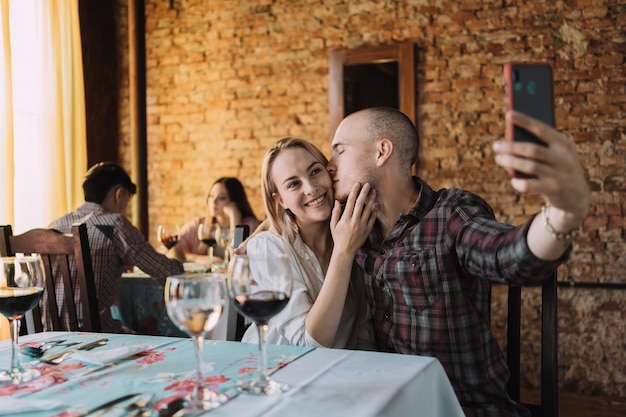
[(137, 84)]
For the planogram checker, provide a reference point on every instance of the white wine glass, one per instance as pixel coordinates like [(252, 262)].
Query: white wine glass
[(224, 239), (194, 303), (260, 287), (22, 281), (168, 237)]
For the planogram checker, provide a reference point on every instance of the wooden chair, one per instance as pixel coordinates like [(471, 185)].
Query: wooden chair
[(549, 406), (69, 256)]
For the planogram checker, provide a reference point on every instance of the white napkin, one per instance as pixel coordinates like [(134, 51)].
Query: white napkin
[(106, 356), (11, 406)]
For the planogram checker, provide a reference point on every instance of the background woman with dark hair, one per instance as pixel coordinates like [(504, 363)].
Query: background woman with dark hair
[(227, 206)]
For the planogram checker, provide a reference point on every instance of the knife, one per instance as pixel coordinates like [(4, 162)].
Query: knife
[(109, 404), (52, 358)]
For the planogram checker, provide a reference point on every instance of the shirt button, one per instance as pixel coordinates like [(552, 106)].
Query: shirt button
[(386, 316), (382, 251)]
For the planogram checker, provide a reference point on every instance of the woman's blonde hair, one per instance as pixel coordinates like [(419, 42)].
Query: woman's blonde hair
[(281, 220)]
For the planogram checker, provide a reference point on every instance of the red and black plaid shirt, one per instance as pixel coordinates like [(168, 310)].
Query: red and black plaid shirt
[(428, 285), (115, 244)]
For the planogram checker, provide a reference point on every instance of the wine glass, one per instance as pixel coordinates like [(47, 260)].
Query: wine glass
[(260, 287), (169, 238), (224, 239), (21, 286), (194, 303), (207, 234)]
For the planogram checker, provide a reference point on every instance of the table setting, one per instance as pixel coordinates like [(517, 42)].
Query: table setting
[(125, 364), (82, 374)]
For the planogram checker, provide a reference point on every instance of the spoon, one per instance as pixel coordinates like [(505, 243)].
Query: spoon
[(38, 351)]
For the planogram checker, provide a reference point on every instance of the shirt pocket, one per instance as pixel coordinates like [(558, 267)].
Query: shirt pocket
[(418, 278)]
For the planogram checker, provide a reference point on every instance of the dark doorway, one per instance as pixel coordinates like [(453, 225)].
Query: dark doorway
[(369, 85)]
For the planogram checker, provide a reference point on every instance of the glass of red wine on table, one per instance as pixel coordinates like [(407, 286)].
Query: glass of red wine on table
[(168, 237), (207, 234), (22, 281), (260, 288)]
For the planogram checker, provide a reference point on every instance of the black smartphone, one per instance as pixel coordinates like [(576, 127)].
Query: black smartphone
[(242, 231), (528, 88)]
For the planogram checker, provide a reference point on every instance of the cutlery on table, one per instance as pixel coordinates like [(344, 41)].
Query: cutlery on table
[(61, 356), (103, 408), (140, 406), (38, 351)]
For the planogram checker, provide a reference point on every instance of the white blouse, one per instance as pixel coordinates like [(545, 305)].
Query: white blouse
[(287, 327)]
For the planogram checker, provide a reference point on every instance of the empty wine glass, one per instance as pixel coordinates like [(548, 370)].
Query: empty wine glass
[(21, 286), (194, 303), (168, 237), (260, 287)]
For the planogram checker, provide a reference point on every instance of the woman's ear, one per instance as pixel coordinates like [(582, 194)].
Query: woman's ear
[(278, 200), (384, 148)]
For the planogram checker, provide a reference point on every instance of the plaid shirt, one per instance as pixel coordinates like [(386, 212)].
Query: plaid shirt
[(428, 284), (115, 244)]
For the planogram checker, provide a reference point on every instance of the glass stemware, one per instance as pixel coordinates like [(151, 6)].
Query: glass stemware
[(21, 286), (169, 238), (194, 303), (260, 287), (207, 234), (224, 239)]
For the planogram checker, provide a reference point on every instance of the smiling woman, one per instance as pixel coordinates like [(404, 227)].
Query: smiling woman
[(42, 112)]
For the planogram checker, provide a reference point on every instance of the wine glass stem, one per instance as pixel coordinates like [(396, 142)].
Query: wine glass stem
[(15, 332), (197, 389), (262, 371)]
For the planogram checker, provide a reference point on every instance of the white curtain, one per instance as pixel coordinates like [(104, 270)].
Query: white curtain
[(43, 147), (44, 150)]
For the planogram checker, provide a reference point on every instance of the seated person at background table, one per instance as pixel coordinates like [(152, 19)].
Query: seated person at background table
[(228, 206), (326, 307), (115, 244), (432, 255)]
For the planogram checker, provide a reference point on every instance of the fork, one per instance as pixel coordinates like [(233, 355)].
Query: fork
[(60, 357), (140, 406)]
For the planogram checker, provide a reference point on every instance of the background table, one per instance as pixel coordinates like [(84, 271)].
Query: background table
[(141, 307), (324, 382)]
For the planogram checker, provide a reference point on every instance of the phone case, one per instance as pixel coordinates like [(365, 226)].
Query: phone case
[(529, 90)]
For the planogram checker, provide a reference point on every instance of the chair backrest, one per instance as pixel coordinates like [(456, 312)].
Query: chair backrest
[(66, 257), (549, 406)]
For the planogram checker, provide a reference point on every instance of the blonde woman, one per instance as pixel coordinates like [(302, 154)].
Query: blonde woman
[(327, 305)]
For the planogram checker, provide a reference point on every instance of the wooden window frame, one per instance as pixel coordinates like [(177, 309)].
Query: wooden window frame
[(403, 53)]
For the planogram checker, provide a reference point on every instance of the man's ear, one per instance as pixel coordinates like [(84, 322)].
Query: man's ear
[(118, 194), (384, 148)]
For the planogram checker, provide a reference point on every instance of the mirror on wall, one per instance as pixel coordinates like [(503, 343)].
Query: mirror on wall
[(371, 76)]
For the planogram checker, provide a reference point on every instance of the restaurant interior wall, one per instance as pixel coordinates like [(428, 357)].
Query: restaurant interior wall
[(227, 79)]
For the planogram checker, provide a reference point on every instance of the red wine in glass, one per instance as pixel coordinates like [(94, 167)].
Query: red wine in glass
[(169, 240), (262, 305), (15, 302), (260, 287)]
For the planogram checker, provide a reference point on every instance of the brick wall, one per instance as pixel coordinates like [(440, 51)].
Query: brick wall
[(225, 79)]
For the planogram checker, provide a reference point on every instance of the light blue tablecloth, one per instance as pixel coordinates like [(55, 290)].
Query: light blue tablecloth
[(323, 382), (167, 369)]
